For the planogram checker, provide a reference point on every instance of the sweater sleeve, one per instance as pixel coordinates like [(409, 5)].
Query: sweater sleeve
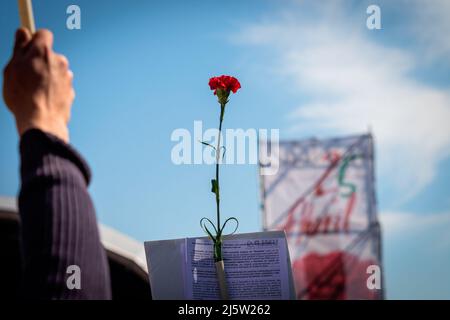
[(60, 237)]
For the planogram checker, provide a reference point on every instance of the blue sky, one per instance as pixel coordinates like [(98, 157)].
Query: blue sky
[(306, 67)]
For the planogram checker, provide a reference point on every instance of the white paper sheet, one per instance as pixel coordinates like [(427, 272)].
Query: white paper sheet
[(169, 270), (255, 269)]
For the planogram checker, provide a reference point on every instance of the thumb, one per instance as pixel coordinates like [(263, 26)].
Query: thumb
[(23, 36)]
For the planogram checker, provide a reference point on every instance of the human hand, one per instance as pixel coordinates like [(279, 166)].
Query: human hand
[(37, 85)]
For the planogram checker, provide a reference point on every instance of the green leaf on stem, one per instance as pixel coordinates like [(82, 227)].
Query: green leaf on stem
[(225, 223), (207, 144), (214, 186), (210, 234)]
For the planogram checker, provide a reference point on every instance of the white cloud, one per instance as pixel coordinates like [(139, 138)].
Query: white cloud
[(411, 226), (353, 82), (411, 223)]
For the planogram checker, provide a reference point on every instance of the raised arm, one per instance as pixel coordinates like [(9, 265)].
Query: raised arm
[(58, 223)]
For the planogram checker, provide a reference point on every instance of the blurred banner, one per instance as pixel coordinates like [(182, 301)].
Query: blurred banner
[(323, 196)]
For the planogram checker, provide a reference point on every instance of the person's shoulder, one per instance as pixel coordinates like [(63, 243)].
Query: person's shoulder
[(37, 143)]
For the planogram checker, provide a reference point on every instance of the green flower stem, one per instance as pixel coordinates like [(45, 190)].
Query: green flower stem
[(222, 111), (218, 242)]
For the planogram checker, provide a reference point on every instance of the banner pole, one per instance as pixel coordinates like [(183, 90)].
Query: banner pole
[(26, 15)]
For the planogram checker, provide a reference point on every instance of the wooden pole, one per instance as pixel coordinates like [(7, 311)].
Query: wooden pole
[(222, 280), (26, 15)]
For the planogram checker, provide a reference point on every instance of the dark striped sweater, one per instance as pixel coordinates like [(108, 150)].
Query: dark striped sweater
[(58, 222)]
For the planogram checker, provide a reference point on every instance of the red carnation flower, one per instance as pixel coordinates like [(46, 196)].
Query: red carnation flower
[(226, 83)]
